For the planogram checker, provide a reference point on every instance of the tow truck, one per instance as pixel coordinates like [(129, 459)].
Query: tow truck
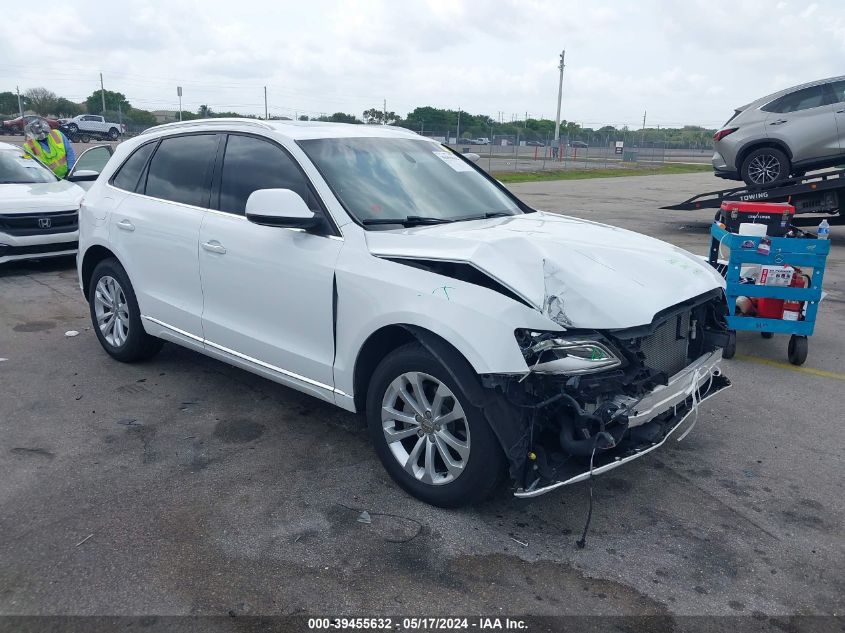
[(822, 192)]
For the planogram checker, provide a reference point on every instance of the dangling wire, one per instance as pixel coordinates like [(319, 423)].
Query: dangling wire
[(696, 396), (582, 543)]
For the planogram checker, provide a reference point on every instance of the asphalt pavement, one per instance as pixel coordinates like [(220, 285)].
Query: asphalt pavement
[(185, 486)]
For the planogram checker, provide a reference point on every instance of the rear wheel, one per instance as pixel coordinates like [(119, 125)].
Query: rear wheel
[(765, 166), (429, 437), (115, 315)]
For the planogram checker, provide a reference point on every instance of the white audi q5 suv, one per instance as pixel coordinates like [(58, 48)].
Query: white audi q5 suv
[(378, 270)]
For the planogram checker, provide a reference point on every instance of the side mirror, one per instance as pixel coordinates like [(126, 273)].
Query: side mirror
[(280, 207), (84, 175)]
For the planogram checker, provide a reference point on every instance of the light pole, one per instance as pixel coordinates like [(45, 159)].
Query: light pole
[(561, 66), (179, 94), (458, 133)]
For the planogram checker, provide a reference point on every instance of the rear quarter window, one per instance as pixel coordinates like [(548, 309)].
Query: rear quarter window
[(128, 174), (804, 99)]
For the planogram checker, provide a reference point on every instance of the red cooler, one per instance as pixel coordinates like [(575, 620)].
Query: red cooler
[(777, 216)]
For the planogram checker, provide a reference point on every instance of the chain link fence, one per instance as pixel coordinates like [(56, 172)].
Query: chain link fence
[(528, 150), (534, 152)]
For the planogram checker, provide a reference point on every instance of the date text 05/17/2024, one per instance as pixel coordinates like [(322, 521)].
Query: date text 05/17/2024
[(418, 624)]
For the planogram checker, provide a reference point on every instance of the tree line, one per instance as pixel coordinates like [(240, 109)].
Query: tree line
[(425, 120)]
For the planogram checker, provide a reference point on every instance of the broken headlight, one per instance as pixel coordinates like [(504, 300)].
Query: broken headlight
[(558, 353)]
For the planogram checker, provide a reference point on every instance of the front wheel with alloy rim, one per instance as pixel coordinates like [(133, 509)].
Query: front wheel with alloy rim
[(432, 441), (115, 314), (765, 166)]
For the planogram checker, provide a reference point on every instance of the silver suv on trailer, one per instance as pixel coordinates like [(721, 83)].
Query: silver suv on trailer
[(784, 134)]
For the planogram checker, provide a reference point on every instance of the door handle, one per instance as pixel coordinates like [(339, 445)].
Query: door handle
[(214, 246), (778, 122), (126, 225)]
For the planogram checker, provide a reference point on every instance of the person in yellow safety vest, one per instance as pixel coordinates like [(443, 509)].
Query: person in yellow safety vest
[(51, 147)]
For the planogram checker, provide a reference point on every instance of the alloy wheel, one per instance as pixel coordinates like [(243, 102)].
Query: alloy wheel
[(112, 311), (425, 428), (764, 169)]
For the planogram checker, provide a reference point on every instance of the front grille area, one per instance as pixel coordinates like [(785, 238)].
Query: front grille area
[(22, 224), (667, 349), (37, 249)]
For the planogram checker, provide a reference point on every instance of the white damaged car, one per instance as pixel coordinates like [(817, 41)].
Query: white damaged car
[(377, 270)]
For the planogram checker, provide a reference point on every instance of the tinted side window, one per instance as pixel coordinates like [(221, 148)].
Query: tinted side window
[(838, 89), (181, 168), (128, 174), (251, 164), (804, 99)]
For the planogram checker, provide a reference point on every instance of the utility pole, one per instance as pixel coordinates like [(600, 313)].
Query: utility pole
[(20, 106), (384, 120), (266, 115), (103, 93), (179, 94), (561, 66), (458, 133), (642, 134)]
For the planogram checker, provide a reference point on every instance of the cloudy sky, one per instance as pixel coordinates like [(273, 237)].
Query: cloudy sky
[(684, 61)]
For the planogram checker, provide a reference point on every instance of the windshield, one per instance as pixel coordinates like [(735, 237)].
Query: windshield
[(18, 167), (379, 179)]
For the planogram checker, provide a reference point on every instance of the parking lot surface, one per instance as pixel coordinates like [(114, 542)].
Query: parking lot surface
[(185, 486)]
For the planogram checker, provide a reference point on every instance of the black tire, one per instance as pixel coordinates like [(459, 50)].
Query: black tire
[(484, 464), (765, 166), (798, 348), (730, 349), (138, 345), (767, 334), (113, 134), (73, 128)]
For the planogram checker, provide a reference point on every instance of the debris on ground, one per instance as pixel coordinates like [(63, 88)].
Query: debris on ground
[(520, 542), (71, 333), (85, 539), (364, 517)]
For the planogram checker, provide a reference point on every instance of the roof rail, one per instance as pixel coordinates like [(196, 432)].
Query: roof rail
[(221, 121)]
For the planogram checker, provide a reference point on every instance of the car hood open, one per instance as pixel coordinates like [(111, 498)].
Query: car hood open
[(580, 274), (43, 196)]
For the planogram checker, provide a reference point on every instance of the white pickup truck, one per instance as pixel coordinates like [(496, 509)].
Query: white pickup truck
[(95, 125)]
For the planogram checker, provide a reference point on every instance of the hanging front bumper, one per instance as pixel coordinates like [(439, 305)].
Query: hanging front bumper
[(673, 405)]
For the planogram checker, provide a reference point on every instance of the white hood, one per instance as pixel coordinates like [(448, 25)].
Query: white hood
[(578, 273), (43, 196)]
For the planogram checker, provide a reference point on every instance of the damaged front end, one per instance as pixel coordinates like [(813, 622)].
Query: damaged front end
[(593, 401)]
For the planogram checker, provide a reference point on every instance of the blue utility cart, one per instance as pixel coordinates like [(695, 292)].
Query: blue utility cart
[(800, 252)]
